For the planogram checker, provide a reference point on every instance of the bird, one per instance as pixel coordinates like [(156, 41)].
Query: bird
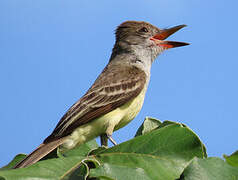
[(116, 96)]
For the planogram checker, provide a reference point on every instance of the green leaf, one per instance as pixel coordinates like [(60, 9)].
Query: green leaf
[(210, 169), (79, 173), (169, 141), (232, 159), (174, 144), (15, 160), (159, 151), (148, 125), (167, 122), (98, 150), (52, 169), (123, 166)]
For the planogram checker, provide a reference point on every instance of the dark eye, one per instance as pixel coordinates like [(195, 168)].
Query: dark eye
[(144, 29)]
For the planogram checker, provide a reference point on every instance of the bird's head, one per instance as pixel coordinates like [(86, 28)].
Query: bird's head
[(143, 36)]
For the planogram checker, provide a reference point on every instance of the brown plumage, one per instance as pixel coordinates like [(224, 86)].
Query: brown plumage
[(99, 103), (39, 153), (100, 98), (116, 96)]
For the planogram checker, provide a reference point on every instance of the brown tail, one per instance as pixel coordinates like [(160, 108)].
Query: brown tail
[(39, 153)]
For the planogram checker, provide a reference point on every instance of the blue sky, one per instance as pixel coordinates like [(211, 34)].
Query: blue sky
[(52, 51)]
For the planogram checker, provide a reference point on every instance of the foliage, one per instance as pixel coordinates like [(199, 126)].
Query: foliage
[(165, 151)]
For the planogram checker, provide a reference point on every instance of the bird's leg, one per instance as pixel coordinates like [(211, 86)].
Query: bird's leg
[(104, 140), (111, 139), (108, 134)]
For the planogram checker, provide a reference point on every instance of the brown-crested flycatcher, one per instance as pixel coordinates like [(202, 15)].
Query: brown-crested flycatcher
[(116, 96)]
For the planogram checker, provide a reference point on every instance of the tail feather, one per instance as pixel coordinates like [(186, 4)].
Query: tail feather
[(39, 153)]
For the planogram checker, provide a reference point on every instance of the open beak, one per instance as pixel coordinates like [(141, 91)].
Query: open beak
[(158, 38)]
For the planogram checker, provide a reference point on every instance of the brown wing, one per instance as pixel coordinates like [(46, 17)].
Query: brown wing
[(113, 88)]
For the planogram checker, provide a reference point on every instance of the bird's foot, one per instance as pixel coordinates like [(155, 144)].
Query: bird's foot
[(111, 139)]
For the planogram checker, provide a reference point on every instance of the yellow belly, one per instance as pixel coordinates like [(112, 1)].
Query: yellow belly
[(107, 123), (131, 109)]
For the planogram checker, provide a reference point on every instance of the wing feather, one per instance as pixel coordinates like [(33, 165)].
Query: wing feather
[(114, 87)]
